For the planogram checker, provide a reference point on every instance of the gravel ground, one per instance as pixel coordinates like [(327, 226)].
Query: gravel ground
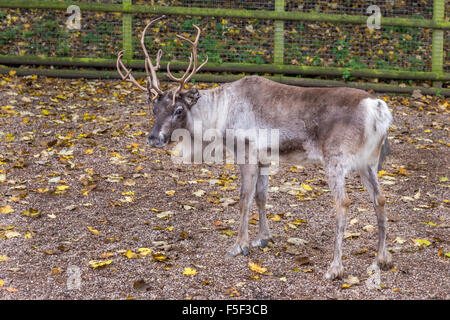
[(82, 196)]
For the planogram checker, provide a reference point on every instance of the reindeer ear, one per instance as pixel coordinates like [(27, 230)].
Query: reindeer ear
[(153, 95), (191, 97), (152, 101)]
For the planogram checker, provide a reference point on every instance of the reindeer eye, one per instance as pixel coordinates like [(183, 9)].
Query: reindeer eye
[(178, 110)]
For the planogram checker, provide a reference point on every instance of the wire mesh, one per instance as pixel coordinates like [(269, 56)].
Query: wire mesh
[(357, 47), (101, 1), (223, 40), (389, 8), (44, 33), (447, 51), (226, 4)]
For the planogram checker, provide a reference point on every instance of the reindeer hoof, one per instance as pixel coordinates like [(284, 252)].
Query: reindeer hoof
[(261, 242), (236, 249), (384, 261), (336, 271)]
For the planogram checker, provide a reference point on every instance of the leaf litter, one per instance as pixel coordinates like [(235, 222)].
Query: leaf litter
[(84, 160)]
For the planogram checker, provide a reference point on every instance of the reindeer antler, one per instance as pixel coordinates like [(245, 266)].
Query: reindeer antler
[(188, 74), (150, 69)]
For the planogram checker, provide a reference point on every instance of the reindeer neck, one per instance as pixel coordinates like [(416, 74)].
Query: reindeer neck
[(211, 109)]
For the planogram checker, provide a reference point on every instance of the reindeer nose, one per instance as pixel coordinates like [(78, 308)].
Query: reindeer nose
[(155, 141), (152, 140)]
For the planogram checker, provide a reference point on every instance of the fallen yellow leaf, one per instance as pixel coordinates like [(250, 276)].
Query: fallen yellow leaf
[(189, 272), (170, 192), (99, 263), (421, 242), (6, 209), (276, 218), (31, 212), (257, 268), (131, 255), (158, 256), (106, 255), (144, 251), (381, 173), (94, 231)]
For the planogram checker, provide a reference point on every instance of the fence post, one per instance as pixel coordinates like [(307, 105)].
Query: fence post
[(437, 52), (127, 31), (278, 45)]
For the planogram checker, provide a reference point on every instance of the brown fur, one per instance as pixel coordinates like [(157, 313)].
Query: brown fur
[(331, 125), (381, 200)]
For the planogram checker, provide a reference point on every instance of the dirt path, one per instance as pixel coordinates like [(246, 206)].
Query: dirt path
[(78, 184)]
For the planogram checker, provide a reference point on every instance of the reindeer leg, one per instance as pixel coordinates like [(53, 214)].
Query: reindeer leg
[(336, 182), (249, 174), (370, 181), (264, 235)]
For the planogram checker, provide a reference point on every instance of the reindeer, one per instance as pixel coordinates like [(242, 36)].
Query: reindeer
[(344, 129)]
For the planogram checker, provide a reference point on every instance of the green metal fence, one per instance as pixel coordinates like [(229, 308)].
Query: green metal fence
[(297, 38)]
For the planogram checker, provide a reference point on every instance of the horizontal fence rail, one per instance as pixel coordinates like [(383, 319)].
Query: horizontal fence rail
[(217, 12), (89, 74), (286, 46)]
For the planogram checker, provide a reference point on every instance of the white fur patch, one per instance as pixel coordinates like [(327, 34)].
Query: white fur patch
[(378, 118)]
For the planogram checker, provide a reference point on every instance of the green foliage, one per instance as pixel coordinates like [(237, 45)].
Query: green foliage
[(382, 64), (317, 61), (340, 51), (416, 64), (210, 47), (90, 38), (355, 63), (8, 35), (221, 28), (27, 34), (186, 26), (227, 39), (63, 48), (346, 75)]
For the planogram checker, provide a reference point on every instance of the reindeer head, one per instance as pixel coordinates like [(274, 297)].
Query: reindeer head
[(170, 115), (171, 108)]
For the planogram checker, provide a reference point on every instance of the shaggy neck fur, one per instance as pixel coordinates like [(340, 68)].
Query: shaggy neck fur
[(211, 110)]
